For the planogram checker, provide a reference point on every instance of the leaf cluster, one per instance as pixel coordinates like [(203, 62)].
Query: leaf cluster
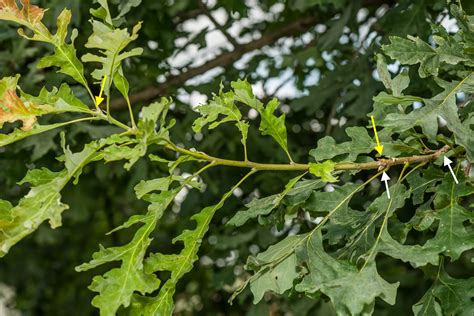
[(331, 232)]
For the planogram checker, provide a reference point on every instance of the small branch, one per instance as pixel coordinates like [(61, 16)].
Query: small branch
[(238, 163), (186, 15), (110, 119), (465, 102), (386, 163), (331, 116), (272, 95), (218, 26), (379, 164)]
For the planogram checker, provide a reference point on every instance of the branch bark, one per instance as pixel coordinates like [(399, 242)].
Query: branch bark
[(380, 164), (217, 25)]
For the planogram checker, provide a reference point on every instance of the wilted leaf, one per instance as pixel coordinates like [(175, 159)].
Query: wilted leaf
[(13, 109), (26, 15)]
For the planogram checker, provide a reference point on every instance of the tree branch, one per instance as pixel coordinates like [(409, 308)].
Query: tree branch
[(218, 26), (186, 15), (223, 60), (331, 116), (380, 164), (228, 58)]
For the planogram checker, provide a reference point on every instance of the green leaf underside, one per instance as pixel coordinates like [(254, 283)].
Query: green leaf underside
[(275, 268), (277, 277), (447, 294)]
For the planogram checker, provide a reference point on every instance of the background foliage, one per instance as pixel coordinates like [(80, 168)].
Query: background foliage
[(320, 59)]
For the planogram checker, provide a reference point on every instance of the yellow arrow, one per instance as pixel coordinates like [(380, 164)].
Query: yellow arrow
[(378, 148), (100, 99)]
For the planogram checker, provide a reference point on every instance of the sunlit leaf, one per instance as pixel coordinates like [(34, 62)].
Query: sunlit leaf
[(274, 125), (323, 170), (221, 105), (111, 44)]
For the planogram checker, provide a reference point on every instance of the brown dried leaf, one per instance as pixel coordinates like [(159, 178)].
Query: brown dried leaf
[(13, 109), (27, 15)]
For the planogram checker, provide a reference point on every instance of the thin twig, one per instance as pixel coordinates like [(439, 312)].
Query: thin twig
[(465, 102), (331, 116), (218, 26), (270, 96)]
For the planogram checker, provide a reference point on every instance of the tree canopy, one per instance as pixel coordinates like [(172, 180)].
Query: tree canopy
[(225, 157)]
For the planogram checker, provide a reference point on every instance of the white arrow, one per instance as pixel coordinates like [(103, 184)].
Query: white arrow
[(448, 162), (385, 179)]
